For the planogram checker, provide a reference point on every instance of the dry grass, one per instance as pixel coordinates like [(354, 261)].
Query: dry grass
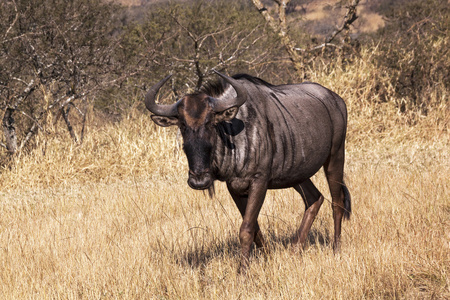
[(114, 217)]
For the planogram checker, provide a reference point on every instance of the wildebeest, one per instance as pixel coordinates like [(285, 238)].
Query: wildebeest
[(257, 136)]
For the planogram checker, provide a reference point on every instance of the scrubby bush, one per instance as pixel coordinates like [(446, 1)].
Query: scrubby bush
[(414, 51), (55, 54)]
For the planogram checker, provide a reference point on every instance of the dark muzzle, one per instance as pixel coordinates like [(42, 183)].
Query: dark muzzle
[(200, 180), (198, 153)]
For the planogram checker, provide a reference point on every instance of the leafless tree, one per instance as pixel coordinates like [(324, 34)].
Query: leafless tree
[(279, 26), (53, 55), (191, 41), (278, 22)]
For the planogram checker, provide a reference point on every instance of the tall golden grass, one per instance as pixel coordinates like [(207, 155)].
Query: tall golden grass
[(114, 218)]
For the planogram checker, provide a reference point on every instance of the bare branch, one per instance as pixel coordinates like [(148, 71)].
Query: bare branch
[(191, 35), (349, 18), (13, 22), (65, 115), (318, 47), (29, 135), (32, 119), (26, 92), (280, 28), (68, 100), (23, 35), (78, 110), (237, 49)]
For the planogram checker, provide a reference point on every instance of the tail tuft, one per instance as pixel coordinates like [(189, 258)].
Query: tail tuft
[(347, 202)]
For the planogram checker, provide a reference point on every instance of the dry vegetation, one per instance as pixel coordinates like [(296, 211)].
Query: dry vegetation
[(114, 217), (322, 12)]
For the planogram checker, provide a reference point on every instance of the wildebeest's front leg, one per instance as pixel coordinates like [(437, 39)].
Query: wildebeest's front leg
[(241, 203), (249, 228)]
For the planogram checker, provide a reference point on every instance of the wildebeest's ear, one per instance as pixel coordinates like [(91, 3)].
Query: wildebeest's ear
[(165, 121), (226, 115)]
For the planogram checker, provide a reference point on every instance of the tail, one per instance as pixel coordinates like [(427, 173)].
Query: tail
[(347, 202)]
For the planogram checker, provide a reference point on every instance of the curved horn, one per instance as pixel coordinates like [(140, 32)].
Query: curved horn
[(157, 109), (221, 105)]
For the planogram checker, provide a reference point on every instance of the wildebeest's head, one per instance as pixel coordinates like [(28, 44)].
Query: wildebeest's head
[(197, 115)]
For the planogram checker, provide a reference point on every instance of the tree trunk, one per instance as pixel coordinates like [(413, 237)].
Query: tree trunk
[(10, 130), (65, 115), (280, 28)]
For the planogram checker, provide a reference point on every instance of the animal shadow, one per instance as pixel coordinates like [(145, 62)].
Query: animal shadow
[(199, 256), (315, 238)]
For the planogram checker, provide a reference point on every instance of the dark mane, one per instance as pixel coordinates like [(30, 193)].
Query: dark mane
[(217, 88), (252, 79)]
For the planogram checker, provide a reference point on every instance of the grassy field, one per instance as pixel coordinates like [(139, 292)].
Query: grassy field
[(115, 219)]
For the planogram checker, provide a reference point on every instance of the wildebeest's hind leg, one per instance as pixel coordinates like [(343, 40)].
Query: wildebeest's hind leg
[(334, 171), (241, 203), (313, 200)]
